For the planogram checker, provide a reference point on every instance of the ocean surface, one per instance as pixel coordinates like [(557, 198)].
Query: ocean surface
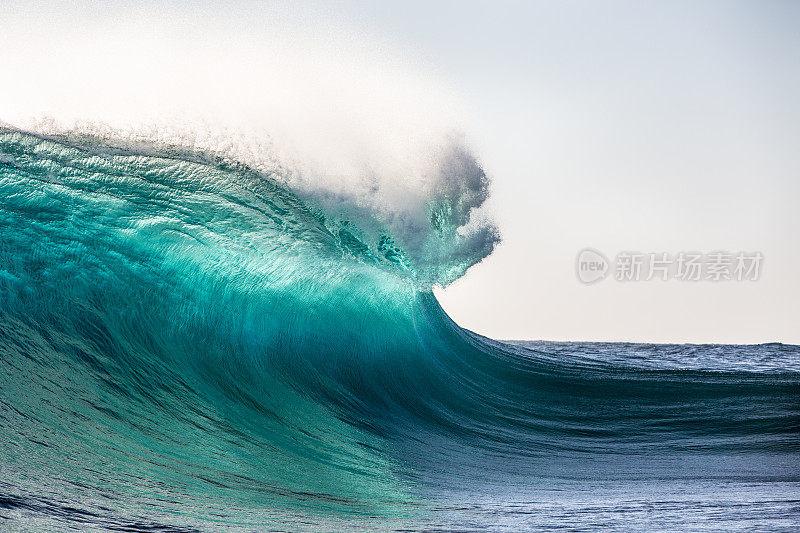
[(190, 344)]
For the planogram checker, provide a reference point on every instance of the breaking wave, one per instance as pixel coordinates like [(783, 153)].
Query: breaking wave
[(189, 341)]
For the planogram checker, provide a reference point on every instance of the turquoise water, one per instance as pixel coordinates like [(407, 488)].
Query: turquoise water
[(189, 344)]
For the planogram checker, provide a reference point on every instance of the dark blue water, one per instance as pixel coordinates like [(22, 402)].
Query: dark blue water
[(188, 344)]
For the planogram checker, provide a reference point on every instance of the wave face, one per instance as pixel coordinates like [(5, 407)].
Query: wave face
[(190, 344)]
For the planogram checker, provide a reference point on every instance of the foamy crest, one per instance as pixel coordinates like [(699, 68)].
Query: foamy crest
[(343, 120)]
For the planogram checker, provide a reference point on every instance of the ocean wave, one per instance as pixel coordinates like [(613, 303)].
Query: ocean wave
[(183, 334)]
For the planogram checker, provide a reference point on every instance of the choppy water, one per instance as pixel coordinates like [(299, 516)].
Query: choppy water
[(188, 344)]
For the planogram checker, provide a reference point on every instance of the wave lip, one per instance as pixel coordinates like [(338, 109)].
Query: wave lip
[(427, 218)]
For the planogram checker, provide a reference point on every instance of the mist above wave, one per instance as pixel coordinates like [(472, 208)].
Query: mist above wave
[(345, 121)]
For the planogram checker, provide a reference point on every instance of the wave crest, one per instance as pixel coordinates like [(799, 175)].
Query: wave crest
[(426, 217)]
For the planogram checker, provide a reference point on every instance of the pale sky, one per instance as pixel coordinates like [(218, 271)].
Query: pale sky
[(625, 126), (639, 126)]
